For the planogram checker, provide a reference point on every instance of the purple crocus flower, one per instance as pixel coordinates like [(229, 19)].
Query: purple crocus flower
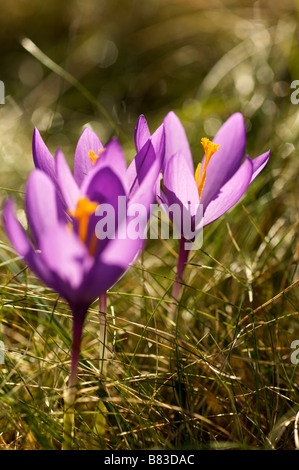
[(217, 183), (90, 154), (61, 210)]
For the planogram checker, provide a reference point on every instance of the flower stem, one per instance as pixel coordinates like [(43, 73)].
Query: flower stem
[(71, 391), (101, 411), (182, 260), (103, 333), (177, 286)]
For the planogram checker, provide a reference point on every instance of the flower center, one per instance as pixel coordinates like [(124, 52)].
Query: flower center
[(93, 157), (210, 148), (84, 209)]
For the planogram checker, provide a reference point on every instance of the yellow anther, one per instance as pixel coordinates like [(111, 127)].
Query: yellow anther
[(210, 148), (84, 209), (197, 173), (93, 157)]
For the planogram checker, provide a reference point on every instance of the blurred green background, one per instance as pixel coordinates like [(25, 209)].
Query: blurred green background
[(204, 59)]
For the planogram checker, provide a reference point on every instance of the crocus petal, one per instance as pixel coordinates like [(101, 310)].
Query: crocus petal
[(67, 258), (176, 140), (158, 141), (22, 245), (230, 193), (105, 187), (259, 163), (67, 184), (181, 193), (227, 160), (179, 183), (146, 191), (114, 158), (82, 163), (43, 159), (114, 261), (142, 133), (41, 203), (140, 166)]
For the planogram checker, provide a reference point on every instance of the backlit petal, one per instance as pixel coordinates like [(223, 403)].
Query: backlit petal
[(230, 193)]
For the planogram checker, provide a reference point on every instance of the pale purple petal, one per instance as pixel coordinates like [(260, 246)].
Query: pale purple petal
[(67, 184), (146, 191), (179, 183), (176, 140), (67, 258), (230, 193), (259, 163), (113, 262), (142, 133), (105, 187), (114, 158), (41, 203), (140, 166), (43, 159), (22, 245), (158, 141), (82, 163), (227, 160)]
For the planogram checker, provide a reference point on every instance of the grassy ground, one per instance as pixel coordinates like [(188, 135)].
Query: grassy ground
[(222, 376)]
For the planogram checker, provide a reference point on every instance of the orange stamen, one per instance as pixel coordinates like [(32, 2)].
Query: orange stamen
[(93, 157), (210, 148), (84, 209)]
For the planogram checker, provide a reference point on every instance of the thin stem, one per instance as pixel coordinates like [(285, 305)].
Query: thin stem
[(182, 260), (103, 333), (71, 391), (101, 412), (177, 286)]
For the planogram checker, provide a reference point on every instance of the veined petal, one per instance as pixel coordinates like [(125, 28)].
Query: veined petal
[(227, 160), (41, 203), (42, 157), (176, 141), (67, 184), (230, 193), (88, 141)]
